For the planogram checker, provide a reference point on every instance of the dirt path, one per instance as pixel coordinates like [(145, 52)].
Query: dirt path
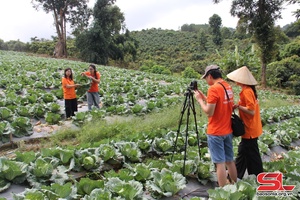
[(41, 130)]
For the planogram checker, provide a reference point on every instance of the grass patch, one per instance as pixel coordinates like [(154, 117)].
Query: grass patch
[(270, 103), (130, 128), (64, 137)]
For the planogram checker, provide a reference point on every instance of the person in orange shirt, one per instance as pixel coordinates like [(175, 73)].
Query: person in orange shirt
[(248, 152), (93, 97), (219, 132), (69, 86)]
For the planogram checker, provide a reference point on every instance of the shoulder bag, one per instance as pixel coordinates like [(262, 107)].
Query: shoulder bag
[(237, 125)]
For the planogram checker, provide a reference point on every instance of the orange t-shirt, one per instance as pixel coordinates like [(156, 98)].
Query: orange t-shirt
[(69, 93), (253, 126), (94, 87), (220, 122)]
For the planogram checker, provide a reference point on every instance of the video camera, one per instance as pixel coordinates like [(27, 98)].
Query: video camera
[(193, 85)]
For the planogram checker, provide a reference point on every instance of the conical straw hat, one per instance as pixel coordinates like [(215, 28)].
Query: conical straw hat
[(242, 75)]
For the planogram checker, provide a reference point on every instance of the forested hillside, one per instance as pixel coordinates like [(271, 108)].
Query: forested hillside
[(175, 50), (169, 51)]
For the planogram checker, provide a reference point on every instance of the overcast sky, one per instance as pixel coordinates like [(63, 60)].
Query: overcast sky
[(19, 20)]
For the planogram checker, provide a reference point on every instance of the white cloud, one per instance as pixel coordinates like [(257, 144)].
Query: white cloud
[(19, 20)]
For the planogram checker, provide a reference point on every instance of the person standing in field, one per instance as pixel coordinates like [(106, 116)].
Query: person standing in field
[(69, 86), (248, 152), (219, 131), (93, 97)]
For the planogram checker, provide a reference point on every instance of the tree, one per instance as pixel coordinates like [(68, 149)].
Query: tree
[(74, 11), (281, 38), (185, 27), (293, 29), (3, 45), (103, 40), (215, 23), (242, 31), (194, 27), (260, 16), (203, 40), (292, 49), (226, 33), (16, 45)]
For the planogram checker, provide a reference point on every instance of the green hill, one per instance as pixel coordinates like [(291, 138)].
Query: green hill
[(175, 50)]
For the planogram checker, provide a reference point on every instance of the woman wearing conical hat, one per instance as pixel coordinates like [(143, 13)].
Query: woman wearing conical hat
[(248, 152)]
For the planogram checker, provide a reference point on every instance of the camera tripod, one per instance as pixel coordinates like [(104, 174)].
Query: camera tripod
[(189, 106)]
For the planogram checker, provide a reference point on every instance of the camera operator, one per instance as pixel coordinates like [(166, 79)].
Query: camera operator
[(219, 132)]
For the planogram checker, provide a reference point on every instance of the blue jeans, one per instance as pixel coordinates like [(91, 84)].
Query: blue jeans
[(220, 147), (93, 98)]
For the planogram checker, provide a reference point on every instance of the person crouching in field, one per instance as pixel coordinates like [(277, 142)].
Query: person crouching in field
[(93, 97), (248, 152), (69, 86)]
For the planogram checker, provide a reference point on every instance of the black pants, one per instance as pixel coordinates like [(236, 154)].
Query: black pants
[(248, 158), (70, 107)]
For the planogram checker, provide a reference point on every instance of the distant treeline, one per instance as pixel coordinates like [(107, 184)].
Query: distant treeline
[(187, 51)]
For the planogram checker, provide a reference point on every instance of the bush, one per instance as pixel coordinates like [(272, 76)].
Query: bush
[(285, 74), (144, 68), (291, 49), (158, 69), (296, 87), (189, 72)]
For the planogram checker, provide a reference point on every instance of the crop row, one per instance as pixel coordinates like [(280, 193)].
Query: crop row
[(51, 179), (46, 170), (144, 165)]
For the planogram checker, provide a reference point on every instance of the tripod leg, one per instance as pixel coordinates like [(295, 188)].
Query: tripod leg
[(189, 105), (197, 132), (186, 132), (179, 125)]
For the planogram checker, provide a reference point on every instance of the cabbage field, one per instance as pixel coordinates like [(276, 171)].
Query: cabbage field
[(31, 88), (146, 167)]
